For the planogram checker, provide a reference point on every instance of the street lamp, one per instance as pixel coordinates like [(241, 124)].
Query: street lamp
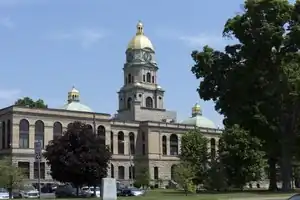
[(130, 161)]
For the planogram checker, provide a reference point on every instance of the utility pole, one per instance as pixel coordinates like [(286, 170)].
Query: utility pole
[(38, 154)]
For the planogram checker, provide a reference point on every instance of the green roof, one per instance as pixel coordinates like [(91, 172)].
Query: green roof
[(77, 106)]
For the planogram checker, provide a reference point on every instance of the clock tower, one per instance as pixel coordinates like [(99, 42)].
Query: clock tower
[(140, 97)]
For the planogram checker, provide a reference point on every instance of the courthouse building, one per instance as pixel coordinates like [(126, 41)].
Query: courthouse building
[(141, 131)]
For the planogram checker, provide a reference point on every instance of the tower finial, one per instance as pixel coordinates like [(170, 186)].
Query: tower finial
[(140, 28)]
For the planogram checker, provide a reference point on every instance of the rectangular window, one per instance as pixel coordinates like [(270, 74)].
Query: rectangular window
[(144, 149), (156, 173), (131, 172), (24, 140), (40, 138), (36, 170), (112, 142), (25, 167)]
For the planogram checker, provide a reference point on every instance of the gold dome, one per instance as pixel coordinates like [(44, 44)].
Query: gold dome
[(196, 110), (140, 41)]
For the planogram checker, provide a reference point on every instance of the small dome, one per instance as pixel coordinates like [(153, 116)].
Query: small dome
[(74, 102), (77, 106), (198, 120), (140, 41)]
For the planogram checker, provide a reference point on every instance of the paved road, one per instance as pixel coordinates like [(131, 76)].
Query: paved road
[(47, 195)]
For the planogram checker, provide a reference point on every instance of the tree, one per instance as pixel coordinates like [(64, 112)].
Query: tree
[(216, 176), (184, 176), (262, 70), (30, 103), (78, 156), (10, 175), (143, 176), (242, 156), (194, 150)]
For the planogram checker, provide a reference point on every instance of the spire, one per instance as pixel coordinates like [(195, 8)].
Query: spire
[(140, 28), (196, 110), (73, 95)]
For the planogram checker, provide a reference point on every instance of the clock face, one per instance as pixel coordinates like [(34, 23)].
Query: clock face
[(147, 56), (129, 57)]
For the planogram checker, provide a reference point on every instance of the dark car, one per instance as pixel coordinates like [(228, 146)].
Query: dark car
[(132, 192), (66, 191), (294, 197)]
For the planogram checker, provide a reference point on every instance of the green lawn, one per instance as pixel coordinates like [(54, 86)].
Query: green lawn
[(174, 195)]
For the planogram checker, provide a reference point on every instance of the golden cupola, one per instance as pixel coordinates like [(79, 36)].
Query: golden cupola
[(140, 41), (73, 95), (196, 110)]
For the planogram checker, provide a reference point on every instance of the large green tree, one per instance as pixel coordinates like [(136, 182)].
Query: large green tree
[(241, 156), (78, 156), (255, 82), (29, 102), (194, 150)]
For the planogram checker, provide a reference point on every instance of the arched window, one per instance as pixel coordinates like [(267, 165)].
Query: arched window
[(213, 148), (144, 78), (3, 135), (112, 142), (101, 134), (89, 127), (164, 145), (129, 78), (8, 129), (112, 171), (121, 172), (57, 130), (69, 125), (153, 79), (173, 172), (149, 77), (129, 102), (39, 132), (173, 144), (149, 102), (24, 134), (121, 149), (132, 143)]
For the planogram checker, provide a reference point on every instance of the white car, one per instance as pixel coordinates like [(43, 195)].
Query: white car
[(28, 191), (4, 193), (91, 190)]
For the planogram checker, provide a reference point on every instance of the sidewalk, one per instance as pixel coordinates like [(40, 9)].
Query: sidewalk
[(279, 197)]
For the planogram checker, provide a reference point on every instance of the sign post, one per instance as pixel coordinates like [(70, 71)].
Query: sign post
[(38, 156)]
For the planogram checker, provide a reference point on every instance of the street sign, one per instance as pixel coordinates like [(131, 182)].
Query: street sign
[(38, 150)]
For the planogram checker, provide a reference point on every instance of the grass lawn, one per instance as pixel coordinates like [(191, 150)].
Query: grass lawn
[(174, 195)]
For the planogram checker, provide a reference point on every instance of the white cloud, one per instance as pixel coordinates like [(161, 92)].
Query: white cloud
[(9, 94), (194, 40), (203, 39), (86, 37), (7, 22)]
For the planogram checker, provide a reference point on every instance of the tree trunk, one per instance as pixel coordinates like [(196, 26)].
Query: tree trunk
[(272, 174), (286, 166)]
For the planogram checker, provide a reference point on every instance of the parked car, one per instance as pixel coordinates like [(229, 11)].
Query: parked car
[(294, 197), (132, 192), (91, 190), (26, 191), (4, 194), (67, 190)]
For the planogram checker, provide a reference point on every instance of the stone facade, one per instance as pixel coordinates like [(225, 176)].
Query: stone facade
[(143, 133)]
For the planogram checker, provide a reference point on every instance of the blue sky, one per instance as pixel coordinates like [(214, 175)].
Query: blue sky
[(47, 46)]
